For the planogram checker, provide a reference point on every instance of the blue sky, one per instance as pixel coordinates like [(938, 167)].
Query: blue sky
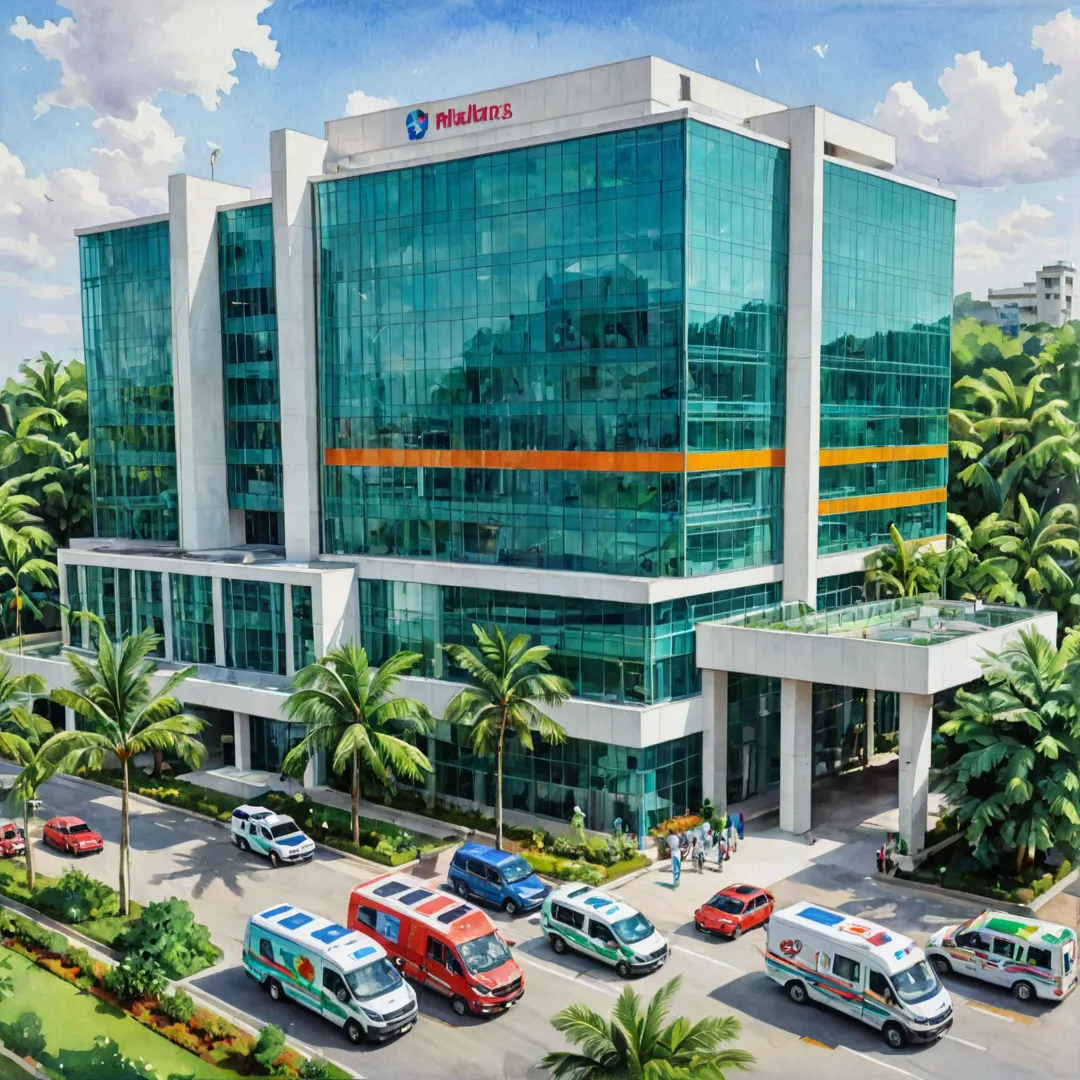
[(99, 109)]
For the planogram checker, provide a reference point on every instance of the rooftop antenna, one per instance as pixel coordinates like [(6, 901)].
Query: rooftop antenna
[(213, 158)]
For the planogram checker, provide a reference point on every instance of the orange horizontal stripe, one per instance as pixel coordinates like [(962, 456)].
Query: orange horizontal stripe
[(550, 460), (864, 455), (888, 501)]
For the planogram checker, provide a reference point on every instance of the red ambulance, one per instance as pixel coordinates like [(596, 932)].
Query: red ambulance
[(440, 941)]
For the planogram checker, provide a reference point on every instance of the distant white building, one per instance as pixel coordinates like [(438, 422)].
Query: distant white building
[(1047, 299)]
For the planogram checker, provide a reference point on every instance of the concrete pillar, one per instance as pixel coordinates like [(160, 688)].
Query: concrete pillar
[(69, 719), (868, 740), (294, 157), (916, 728), (714, 737), (290, 665), (219, 621), (242, 740), (198, 374), (167, 615), (796, 756)]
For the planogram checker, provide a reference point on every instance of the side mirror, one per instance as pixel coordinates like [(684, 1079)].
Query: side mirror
[(510, 943), (343, 996)]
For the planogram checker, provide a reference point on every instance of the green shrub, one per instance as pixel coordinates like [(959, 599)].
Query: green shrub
[(77, 897), (886, 742), (23, 1036), (178, 1006), (78, 958), (32, 934), (604, 851), (1018, 896), (135, 979), (269, 1046), (1041, 884), (1063, 871), (565, 848), (315, 1069), (590, 875), (166, 932)]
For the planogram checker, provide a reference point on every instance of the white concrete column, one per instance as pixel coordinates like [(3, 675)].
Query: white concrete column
[(294, 157), (242, 740), (198, 374), (714, 737), (219, 621), (796, 756), (69, 719), (290, 666), (166, 614), (869, 737), (84, 619), (803, 129), (916, 728)]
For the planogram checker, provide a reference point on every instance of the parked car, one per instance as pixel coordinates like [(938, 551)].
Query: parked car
[(496, 877), (734, 910), (279, 838), (11, 840), (439, 941), (72, 835)]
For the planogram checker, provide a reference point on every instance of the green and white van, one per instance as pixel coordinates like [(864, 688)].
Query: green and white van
[(580, 917), (337, 973), (254, 828)]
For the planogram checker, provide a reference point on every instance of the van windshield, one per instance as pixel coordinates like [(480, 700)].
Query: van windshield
[(516, 870), (373, 980), (283, 828), (483, 953), (916, 983), (632, 929)]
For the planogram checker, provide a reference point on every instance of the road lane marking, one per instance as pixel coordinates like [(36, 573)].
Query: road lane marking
[(883, 1064), (160, 825), (577, 980), (709, 959), (998, 1013), (815, 1042), (973, 1045)]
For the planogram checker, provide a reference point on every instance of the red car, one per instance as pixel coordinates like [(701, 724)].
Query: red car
[(11, 840), (73, 835), (735, 909)]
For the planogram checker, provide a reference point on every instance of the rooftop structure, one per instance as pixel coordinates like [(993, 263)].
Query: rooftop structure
[(1047, 299)]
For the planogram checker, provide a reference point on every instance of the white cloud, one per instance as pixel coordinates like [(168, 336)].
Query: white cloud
[(988, 133), (358, 103), (49, 322), (137, 157), (52, 292), (116, 54), (8, 280), (1022, 232)]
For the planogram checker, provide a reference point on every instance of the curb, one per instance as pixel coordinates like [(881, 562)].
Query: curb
[(241, 1019), (985, 902)]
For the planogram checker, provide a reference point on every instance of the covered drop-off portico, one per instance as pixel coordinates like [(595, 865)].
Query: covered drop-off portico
[(915, 647)]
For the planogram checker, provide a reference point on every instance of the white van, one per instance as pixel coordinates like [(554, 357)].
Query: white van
[(1029, 957), (340, 974), (579, 917), (254, 828), (859, 968)]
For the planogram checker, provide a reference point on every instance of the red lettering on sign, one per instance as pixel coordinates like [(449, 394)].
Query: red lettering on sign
[(474, 114)]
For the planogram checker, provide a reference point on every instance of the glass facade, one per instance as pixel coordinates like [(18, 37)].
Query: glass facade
[(127, 337), (841, 590), (126, 601), (76, 603), (887, 274), (502, 367), (615, 652), (643, 787), (753, 735), (192, 618), (271, 740), (254, 624), (303, 627), (249, 353)]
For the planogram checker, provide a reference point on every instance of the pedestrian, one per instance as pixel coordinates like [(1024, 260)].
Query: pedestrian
[(732, 835), (699, 855), (740, 825), (721, 851), (881, 859)]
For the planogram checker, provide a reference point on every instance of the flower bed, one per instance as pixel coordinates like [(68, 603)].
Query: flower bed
[(682, 823), (216, 1041), (577, 870)]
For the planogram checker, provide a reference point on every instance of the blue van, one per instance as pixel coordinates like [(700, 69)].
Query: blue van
[(497, 877)]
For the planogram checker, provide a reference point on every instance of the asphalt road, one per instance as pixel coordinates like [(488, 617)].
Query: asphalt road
[(174, 854)]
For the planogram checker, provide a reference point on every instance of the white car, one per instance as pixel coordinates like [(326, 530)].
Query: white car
[(254, 828)]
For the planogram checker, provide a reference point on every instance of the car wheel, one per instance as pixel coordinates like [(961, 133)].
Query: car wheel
[(460, 1006), (736, 933), (941, 965), (354, 1032), (622, 969), (558, 944), (275, 862), (1023, 991), (894, 1036), (510, 906), (242, 844), (462, 890), (797, 992), (273, 988)]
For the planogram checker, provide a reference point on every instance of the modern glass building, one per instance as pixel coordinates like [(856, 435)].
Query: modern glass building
[(524, 358)]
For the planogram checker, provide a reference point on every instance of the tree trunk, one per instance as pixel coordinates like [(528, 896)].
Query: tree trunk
[(29, 848), (1021, 851), (499, 788), (124, 843), (355, 798), (159, 763)]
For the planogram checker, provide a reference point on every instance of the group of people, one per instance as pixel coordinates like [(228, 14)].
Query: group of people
[(705, 844)]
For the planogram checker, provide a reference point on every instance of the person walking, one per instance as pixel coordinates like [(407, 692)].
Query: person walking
[(721, 851), (732, 835)]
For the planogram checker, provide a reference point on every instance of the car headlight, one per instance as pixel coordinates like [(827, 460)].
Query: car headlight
[(372, 1015)]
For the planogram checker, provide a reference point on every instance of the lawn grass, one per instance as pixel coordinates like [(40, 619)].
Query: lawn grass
[(13, 885), (71, 1019)]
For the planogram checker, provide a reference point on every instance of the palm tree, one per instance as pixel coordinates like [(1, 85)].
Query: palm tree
[(902, 569), (20, 564), (1012, 769), (508, 678), (123, 717), (636, 1045), (350, 711)]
